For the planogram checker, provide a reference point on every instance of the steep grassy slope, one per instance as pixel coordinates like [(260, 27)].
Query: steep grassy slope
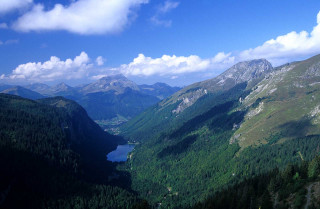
[(225, 136), (196, 99), (286, 105)]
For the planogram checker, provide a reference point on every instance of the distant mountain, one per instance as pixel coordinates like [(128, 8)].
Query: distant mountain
[(40, 88), (4, 87), (159, 90), (110, 104), (117, 83), (61, 87), (23, 92), (249, 120), (115, 99), (111, 100), (64, 90)]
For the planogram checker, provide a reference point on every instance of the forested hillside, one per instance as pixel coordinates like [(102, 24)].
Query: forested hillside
[(52, 155), (207, 137), (296, 186), (197, 99)]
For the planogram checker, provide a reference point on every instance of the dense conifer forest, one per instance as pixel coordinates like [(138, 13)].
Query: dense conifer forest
[(52, 155)]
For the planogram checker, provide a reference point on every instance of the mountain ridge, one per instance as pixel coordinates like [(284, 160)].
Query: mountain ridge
[(110, 100), (19, 90), (267, 120), (52, 154), (174, 107)]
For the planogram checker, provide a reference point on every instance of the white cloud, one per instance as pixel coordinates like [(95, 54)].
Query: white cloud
[(161, 11), (81, 17), (289, 47), (3, 26), (9, 5), (173, 65), (280, 50), (100, 61), (53, 69)]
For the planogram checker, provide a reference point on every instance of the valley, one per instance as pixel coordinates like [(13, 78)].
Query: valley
[(193, 149), (168, 104), (110, 101), (237, 130)]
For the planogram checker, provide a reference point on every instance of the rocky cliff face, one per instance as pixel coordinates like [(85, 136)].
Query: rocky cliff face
[(245, 72), (250, 72), (284, 105)]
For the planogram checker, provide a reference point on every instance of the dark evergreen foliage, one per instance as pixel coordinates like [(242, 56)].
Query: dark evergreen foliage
[(52, 155)]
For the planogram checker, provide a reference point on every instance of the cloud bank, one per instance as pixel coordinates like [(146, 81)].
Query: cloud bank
[(81, 17), (287, 47), (282, 49), (10, 5), (173, 65), (53, 69)]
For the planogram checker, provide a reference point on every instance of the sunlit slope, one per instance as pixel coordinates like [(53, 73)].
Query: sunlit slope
[(196, 99), (286, 105), (184, 157)]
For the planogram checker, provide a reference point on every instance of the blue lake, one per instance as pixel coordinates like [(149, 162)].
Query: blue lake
[(121, 153)]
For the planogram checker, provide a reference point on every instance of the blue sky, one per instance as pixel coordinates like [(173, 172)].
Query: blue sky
[(172, 41)]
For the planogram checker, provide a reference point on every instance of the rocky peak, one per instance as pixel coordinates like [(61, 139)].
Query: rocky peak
[(314, 68), (114, 77), (117, 83), (246, 71), (61, 87), (39, 87), (158, 84), (249, 71)]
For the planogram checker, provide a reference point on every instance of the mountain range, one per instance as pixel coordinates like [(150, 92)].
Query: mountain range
[(248, 138), (249, 120), (111, 100)]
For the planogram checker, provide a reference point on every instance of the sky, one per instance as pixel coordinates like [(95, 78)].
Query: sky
[(172, 41)]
